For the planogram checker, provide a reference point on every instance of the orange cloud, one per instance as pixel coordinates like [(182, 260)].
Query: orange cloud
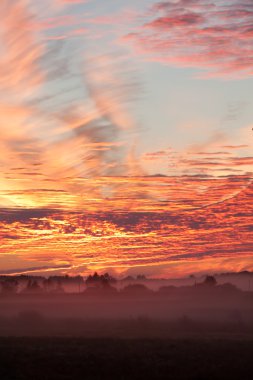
[(198, 238), (74, 193)]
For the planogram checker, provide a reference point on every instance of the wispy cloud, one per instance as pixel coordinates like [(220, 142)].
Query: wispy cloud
[(32, 270), (19, 65), (215, 37), (72, 185), (59, 142)]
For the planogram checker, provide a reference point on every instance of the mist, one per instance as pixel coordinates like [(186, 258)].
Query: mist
[(102, 306)]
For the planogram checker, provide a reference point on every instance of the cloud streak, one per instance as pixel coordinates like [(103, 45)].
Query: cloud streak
[(212, 36), (64, 145), (218, 232), (74, 193)]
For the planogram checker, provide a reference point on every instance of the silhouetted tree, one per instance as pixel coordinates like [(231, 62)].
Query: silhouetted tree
[(210, 281), (9, 285), (141, 277), (103, 281), (192, 277), (228, 287), (33, 287), (53, 284)]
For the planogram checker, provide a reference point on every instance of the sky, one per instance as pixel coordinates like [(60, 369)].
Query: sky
[(126, 137)]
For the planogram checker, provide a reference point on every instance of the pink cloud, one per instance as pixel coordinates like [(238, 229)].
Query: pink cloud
[(73, 1), (215, 37), (20, 51)]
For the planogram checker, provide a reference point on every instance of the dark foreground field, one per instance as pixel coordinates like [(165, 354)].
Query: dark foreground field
[(80, 358)]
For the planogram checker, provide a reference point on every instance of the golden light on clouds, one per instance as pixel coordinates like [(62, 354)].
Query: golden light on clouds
[(79, 189)]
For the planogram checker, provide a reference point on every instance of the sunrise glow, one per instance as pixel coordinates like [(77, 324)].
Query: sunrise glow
[(126, 140)]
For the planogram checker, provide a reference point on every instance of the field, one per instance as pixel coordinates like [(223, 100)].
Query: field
[(188, 336), (79, 358)]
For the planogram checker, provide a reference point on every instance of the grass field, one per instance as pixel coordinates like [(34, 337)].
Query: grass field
[(80, 358)]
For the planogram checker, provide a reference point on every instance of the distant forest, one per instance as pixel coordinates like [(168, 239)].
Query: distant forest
[(97, 284)]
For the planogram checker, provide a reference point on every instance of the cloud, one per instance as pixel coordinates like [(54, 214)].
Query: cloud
[(19, 63), (40, 269), (235, 146), (156, 155), (212, 36), (66, 144), (46, 136), (210, 225), (71, 2)]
